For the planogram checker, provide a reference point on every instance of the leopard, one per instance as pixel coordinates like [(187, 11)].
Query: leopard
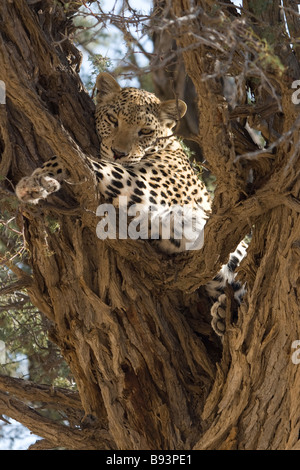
[(143, 161)]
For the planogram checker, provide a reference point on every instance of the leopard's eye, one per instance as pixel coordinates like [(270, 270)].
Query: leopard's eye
[(146, 131), (112, 119)]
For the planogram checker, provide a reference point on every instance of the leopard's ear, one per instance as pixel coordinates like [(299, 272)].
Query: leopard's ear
[(171, 111), (106, 85)]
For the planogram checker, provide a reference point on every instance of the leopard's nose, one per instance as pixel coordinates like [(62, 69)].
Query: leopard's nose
[(118, 153)]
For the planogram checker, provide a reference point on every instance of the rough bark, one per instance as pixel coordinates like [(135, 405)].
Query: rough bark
[(130, 322), (254, 403)]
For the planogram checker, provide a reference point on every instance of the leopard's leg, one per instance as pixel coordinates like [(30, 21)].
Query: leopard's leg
[(43, 182), (114, 180), (216, 287), (218, 309)]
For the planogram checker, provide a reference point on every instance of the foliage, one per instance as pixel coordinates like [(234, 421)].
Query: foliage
[(23, 329)]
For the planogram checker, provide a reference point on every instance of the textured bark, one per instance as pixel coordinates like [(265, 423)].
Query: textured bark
[(132, 323), (254, 403)]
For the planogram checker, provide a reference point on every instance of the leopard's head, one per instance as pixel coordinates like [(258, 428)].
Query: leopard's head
[(132, 123)]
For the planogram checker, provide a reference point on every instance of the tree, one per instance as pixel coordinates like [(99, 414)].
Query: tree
[(133, 324)]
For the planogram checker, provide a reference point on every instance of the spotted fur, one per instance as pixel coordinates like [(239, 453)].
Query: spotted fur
[(142, 160)]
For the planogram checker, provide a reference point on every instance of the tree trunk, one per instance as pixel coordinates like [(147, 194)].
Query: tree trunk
[(133, 324), (254, 403)]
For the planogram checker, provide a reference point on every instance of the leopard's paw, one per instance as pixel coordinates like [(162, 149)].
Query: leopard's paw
[(35, 187), (218, 313)]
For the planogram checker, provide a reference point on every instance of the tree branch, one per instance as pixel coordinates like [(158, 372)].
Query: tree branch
[(58, 434), (57, 397), (22, 283)]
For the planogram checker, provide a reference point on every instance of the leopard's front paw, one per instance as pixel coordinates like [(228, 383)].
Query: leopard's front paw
[(218, 313), (35, 187)]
